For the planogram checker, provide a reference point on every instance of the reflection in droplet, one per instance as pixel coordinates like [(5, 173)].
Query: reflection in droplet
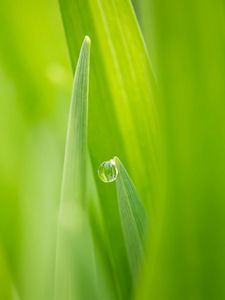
[(108, 171)]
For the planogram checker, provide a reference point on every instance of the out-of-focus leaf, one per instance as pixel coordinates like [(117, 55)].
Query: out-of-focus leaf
[(187, 258)]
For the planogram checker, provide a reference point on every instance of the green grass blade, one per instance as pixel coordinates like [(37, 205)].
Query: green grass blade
[(74, 257), (146, 18), (74, 172), (133, 217)]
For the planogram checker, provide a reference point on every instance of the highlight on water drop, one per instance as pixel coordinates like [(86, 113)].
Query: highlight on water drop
[(108, 171)]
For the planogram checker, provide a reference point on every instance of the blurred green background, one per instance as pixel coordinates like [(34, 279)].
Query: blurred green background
[(35, 83), (185, 41)]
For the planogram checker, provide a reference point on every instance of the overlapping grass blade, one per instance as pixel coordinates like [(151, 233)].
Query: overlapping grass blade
[(75, 257), (133, 218), (144, 12), (74, 172)]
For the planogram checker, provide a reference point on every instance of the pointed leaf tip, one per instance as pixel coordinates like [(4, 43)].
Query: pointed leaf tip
[(87, 40)]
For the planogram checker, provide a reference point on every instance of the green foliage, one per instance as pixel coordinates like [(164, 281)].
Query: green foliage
[(168, 130)]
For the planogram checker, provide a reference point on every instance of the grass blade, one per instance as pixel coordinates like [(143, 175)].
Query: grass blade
[(133, 217), (74, 258), (74, 173)]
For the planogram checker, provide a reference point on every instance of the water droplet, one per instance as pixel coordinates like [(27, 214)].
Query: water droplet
[(108, 171)]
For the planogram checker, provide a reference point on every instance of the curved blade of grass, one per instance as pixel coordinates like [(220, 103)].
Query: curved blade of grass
[(75, 258), (133, 217)]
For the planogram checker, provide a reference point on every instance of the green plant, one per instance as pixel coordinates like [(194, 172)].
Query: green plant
[(156, 233)]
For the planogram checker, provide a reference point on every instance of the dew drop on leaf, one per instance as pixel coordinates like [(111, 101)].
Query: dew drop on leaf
[(108, 171)]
